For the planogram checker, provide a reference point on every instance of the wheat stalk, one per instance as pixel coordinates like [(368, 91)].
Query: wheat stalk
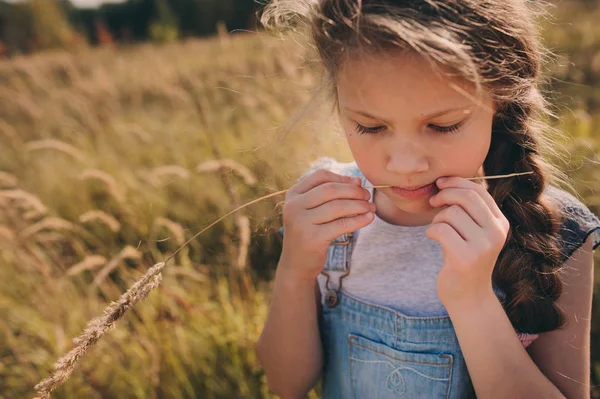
[(140, 290)]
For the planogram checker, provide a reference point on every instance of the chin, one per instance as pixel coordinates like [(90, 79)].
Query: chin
[(420, 206)]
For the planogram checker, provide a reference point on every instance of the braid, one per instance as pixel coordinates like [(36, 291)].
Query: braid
[(527, 268)]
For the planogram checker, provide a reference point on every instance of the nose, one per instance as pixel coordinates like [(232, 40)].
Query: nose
[(407, 157)]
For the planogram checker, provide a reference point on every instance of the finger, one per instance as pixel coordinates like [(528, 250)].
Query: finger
[(316, 178), (331, 191), (448, 238), (460, 182), (345, 225), (469, 200), (460, 221), (339, 208)]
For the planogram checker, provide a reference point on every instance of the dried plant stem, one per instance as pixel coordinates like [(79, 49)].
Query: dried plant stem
[(99, 326), (473, 178), (96, 328)]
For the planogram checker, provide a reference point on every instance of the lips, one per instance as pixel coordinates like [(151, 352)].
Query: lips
[(417, 192), (412, 188)]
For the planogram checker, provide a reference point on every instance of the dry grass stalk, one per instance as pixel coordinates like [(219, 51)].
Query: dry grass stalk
[(101, 216), (113, 187), (147, 177), (245, 235), (47, 237), (171, 170), (241, 170), (127, 252), (140, 290), (96, 328), (188, 273), (8, 180), (26, 201), (155, 362), (139, 133), (6, 234), (473, 178), (9, 131), (173, 227), (50, 223), (88, 263), (57, 145)]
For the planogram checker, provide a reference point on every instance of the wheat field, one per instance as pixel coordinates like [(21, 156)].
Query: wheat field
[(112, 158)]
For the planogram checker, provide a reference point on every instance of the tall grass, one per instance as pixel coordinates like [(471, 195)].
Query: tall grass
[(110, 160)]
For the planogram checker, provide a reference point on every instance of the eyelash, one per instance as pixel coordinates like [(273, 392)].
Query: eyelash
[(441, 129)]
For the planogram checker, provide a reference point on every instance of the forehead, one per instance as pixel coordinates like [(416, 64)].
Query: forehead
[(399, 81)]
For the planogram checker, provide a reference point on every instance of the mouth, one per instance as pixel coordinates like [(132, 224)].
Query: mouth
[(415, 191), (412, 188)]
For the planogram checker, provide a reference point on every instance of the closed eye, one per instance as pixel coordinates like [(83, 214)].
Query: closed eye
[(442, 129)]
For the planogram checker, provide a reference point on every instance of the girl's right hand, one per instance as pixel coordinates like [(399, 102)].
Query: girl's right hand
[(319, 208)]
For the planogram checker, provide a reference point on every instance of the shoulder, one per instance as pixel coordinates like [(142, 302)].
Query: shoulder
[(333, 165), (578, 224)]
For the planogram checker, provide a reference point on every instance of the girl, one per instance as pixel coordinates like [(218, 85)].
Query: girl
[(430, 285)]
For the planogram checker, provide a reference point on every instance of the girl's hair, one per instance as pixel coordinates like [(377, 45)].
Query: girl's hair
[(495, 46)]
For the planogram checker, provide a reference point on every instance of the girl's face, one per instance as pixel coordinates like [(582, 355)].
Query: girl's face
[(407, 126)]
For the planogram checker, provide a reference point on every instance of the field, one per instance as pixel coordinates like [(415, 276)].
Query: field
[(110, 159)]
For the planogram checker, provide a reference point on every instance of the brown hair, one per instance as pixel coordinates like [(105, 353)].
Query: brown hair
[(494, 45)]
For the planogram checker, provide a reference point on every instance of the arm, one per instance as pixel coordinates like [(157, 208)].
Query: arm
[(289, 348), (317, 209), (559, 364), (564, 355)]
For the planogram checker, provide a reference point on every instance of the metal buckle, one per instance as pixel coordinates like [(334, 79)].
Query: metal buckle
[(343, 242), (331, 295)]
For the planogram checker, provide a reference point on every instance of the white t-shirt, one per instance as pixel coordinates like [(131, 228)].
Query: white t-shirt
[(393, 266)]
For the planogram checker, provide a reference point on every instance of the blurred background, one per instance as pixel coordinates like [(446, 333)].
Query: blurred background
[(126, 128)]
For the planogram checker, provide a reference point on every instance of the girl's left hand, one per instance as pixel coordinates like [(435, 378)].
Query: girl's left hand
[(472, 231)]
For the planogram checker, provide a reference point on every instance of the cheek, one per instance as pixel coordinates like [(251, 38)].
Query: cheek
[(468, 152), (477, 142)]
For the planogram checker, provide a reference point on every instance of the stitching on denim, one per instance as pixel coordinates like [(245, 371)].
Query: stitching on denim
[(449, 375), (400, 360), (400, 368)]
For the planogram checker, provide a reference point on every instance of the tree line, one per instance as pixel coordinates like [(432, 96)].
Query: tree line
[(33, 25)]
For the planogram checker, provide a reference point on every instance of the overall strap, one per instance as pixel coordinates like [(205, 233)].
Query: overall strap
[(339, 254), (340, 249)]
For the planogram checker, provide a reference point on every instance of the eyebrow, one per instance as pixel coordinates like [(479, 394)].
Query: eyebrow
[(428, 116)]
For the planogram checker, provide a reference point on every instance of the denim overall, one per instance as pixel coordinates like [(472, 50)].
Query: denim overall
[(374, 352)]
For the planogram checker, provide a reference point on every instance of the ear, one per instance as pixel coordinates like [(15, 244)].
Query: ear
[(498, 104)]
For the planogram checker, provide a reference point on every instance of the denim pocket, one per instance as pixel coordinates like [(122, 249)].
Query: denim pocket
[(378, 371)]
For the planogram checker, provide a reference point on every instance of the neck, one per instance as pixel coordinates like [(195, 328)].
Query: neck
[(390, 213)]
